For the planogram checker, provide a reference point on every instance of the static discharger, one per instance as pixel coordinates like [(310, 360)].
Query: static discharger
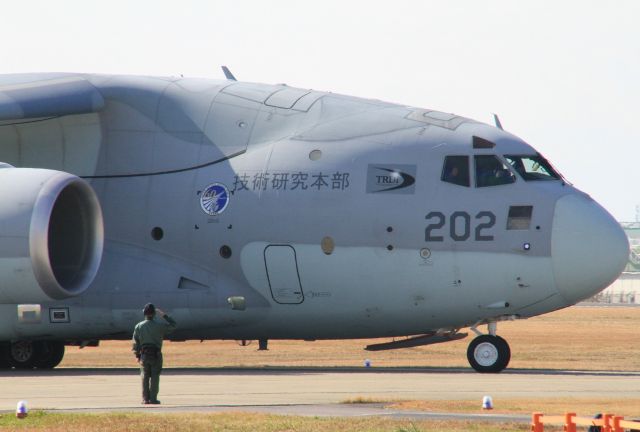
[(237, 303)]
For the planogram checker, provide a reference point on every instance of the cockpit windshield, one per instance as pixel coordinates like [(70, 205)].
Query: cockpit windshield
[(491, 171), (532, 167)]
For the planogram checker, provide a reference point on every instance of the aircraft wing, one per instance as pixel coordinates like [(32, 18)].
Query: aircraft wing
[(47, 95)]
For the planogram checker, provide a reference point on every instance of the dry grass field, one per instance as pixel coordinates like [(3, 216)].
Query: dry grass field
[(583, 407), (577, 338), (237, 422)]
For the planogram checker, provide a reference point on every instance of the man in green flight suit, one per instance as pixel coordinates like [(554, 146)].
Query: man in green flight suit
[(147, 346)]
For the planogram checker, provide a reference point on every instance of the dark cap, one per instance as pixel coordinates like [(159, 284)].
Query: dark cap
[(149, 309)]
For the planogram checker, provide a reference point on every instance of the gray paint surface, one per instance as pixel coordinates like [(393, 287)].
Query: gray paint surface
[(299, 166)]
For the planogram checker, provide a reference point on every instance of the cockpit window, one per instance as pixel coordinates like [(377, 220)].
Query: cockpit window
[(456, 170), (491, 171), (532, 167)]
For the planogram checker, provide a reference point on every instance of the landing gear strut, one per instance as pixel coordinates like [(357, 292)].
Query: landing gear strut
[(488, 353)]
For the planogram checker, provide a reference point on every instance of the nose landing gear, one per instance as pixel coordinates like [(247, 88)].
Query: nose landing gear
[(488, 353)]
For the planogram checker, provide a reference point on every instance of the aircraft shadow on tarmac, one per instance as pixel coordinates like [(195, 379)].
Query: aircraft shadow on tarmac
[(283, 370)]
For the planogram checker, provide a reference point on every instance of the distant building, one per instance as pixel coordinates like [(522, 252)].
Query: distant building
[(626, 289)]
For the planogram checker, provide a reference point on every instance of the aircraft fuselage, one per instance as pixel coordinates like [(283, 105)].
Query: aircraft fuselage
[(333, 216)]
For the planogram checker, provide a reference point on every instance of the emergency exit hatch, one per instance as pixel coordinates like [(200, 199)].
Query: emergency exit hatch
[(283, 275)]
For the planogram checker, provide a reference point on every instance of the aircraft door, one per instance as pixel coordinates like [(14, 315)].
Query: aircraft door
[(282, 273)]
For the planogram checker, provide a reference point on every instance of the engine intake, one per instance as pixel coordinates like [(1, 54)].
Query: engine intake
[(51, 235)]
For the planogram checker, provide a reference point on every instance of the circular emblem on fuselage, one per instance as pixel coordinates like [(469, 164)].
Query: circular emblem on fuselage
[(214, 199)]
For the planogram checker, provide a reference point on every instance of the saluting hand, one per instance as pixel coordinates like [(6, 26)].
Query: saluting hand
[(160, 312)]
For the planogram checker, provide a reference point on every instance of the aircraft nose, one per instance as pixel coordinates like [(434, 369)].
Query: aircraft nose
[(589, 249)]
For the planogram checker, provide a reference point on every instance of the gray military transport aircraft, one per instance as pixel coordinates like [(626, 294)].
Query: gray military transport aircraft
[(256, 212)]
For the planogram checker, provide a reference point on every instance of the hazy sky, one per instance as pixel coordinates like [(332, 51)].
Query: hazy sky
[(564, 76)]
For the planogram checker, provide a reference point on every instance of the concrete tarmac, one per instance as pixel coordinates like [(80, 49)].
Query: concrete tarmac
[(304, 391)]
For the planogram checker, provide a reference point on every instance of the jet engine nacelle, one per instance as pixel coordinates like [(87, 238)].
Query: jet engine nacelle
[(51, 235)]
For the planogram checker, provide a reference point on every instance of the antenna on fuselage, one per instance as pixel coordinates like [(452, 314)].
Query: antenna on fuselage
[(496, 120), (229, 75)]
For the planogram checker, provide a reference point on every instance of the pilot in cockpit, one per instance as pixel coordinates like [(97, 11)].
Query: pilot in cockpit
[(452, 175), (490, 171)]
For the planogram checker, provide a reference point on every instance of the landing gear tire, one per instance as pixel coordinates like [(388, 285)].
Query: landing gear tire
[(488, 354), (22, 354), (4, 348), (50, 354)]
